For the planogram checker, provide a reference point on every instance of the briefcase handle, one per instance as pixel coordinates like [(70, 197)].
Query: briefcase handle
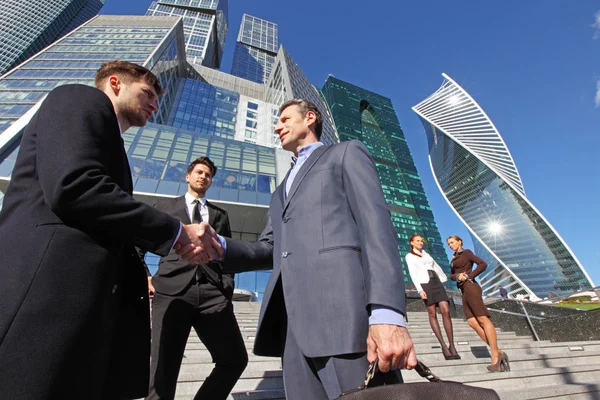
[(421, 369)]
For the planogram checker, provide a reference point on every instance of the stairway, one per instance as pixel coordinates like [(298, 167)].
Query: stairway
[(539, 370)]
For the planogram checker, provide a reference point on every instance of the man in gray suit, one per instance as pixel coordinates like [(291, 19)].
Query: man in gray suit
[(335, 300)]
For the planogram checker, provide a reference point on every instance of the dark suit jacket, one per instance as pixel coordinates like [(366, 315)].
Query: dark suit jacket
[(74, 320), (334, 253), (174, 274)]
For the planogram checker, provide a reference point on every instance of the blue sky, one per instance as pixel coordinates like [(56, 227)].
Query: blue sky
[(533, 66)]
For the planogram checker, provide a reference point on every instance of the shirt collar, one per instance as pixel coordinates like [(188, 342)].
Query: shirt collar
[(189, 199), (306, 151), (420, 254), (458, 253)]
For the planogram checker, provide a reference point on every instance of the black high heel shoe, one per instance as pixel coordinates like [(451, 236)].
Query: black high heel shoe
[(453, 355)]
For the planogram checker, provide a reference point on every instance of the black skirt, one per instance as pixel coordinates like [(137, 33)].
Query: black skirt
[(434, 289)]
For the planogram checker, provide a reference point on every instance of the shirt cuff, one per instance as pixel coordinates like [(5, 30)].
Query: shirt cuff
[(223, 244), (176, 237), (385, 315)]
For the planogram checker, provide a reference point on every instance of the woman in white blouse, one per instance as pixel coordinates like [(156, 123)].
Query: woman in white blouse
[(427, 277)]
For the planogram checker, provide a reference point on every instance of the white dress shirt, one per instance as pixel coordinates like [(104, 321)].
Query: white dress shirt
[(418, 267), (189, 202)]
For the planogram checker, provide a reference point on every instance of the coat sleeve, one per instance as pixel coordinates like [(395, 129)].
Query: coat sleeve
[(411, 262), (250, 256), (382, 271), (440, 272), (78, 143), (453, 273), (481, 265)]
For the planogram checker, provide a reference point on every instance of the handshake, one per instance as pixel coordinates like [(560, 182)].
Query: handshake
[(198, 244)]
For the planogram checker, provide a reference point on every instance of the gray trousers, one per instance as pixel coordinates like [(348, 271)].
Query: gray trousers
[(325, 378)]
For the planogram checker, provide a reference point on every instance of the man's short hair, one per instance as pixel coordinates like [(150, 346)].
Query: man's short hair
[(205, 161), (127, 72), (305, 106)]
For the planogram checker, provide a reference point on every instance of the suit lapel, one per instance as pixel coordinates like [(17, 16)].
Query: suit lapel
[(181, 210), (308, 164), (212, 214), (282, 186), (128, 181)]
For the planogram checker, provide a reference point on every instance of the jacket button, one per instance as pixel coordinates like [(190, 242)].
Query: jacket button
[(284, 254), (114, 289)]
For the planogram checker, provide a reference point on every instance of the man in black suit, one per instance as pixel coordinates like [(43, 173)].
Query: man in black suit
[(194, 295), (75, 321)]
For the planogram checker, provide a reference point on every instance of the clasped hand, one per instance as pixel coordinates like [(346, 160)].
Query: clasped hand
[(198, 244)]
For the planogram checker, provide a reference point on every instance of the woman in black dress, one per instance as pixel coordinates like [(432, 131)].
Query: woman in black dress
[(477, 314), (427, 277)]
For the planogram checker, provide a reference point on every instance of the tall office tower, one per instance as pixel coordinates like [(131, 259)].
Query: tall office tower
[(76, 57), (30, 25), (255, 50), (288, 82), (480, 181), (204, 24), (203, 112), (370, 118)]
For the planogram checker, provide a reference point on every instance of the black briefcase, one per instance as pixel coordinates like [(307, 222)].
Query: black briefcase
[(435, 389)]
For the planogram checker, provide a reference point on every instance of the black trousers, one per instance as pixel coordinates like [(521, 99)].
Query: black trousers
[(203, 307)]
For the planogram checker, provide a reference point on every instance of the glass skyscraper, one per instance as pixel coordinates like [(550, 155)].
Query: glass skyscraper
[(204, 24), (27, 26), (478, 177), (369, 117), (255, 50), (204, 111)]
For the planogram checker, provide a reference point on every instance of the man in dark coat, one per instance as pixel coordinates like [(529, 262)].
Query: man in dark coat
[(75, 320), (194, 295)]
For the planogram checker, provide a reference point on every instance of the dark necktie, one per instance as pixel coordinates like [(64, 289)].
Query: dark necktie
[(196, 219), (196, 216)]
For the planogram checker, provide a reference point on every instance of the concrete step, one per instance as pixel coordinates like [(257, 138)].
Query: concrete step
[(204, 369), (266, 382), (449, 369), (424, 337), (539, 370), (523, 379), (194, 343), (570, 391), (202, 356), (276, 394), (445, 369)]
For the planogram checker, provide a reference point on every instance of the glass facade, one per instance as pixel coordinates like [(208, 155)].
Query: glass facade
[(198, 114), (27, 26), (369, 117), (246, 173), (76, 57), (204, 24), (288, 82), (255, 50), (159, 156), (478, 178), (156, 43)]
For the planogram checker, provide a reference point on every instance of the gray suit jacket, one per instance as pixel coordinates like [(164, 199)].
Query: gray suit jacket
[(334, 253)]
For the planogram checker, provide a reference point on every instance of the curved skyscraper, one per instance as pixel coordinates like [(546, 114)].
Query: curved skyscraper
[(28, 26), (478, 177)]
